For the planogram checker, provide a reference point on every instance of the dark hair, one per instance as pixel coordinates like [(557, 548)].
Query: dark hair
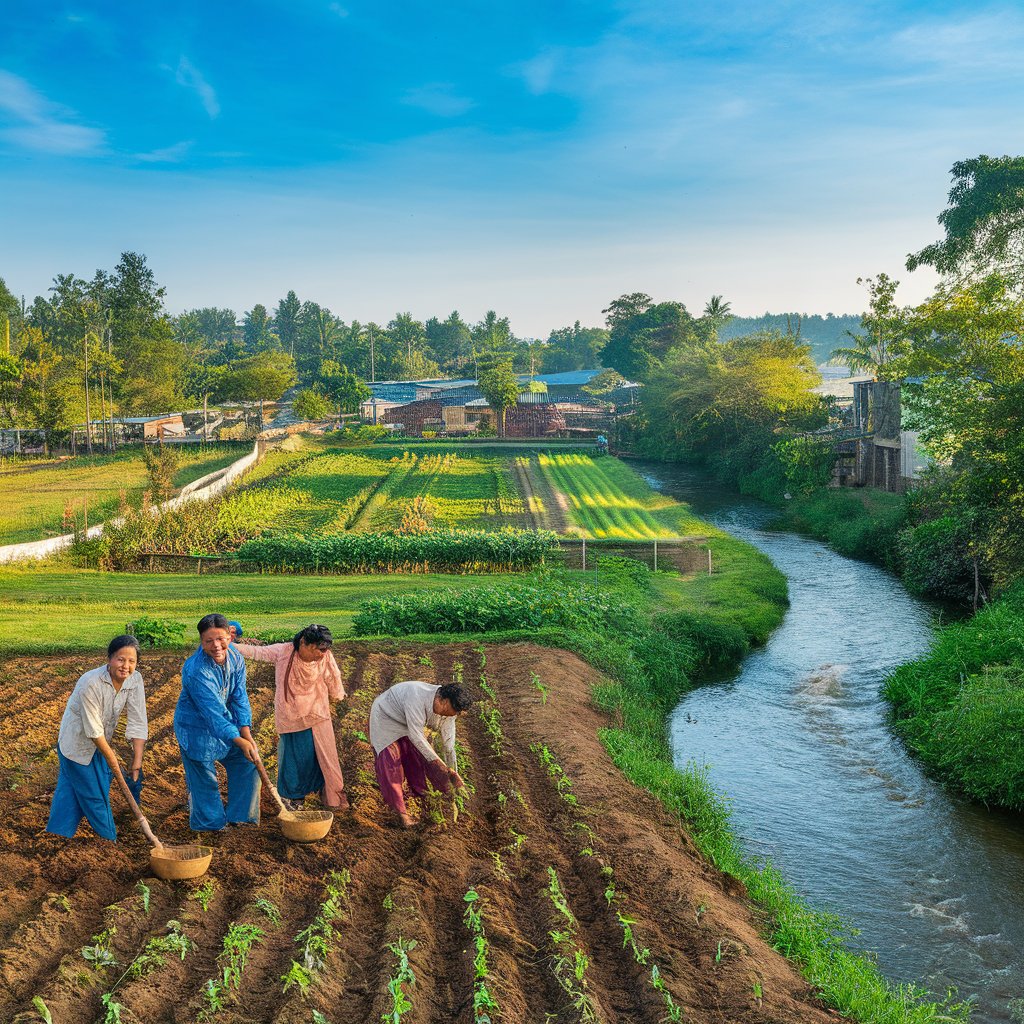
[(212, 621), (459, 699), (317, 635), (120, 642)]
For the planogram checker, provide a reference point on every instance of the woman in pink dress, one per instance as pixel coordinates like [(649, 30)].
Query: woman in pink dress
[(307, 679)]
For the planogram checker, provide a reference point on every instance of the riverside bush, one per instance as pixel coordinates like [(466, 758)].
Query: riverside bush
[(456, 551), (961, 707), (934, 559)]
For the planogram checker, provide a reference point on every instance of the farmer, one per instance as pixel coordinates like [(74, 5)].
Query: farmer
[(398, 719), (235, 629), (84, 752), (307, 680), (212, 722)]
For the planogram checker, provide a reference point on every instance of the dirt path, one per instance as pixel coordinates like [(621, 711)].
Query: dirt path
[(517, 833)]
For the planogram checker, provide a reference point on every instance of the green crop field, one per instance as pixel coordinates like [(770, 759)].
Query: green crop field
[(35, 494), (604, 498)]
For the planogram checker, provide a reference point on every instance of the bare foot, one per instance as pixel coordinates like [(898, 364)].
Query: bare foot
[(407, 820)]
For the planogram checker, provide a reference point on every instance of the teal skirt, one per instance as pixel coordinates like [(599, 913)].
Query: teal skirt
[(298, 770)]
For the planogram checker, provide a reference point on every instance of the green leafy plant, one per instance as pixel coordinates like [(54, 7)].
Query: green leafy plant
[(400, 983), (203, 895), (484, 1002), (42, 1009), (112, 1008), (143, 891), (268, 909), (314, 941), (156, 632), (539, 687), (99, 954)]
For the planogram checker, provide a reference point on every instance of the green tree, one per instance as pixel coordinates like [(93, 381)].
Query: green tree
[(320, 331), (642, 334), (449, 342), (342, 387), (262, 378), (498, 384), (885, 325), (286, 322), (256, 330), (310, 404), (408, 334), (983, 221), (574, 348)]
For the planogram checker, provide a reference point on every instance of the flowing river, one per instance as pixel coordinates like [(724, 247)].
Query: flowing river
[(798, 739)]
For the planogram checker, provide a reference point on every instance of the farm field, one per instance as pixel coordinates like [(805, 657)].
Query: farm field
[(561, 893), (95, 606), (34, 496), (316, 489)]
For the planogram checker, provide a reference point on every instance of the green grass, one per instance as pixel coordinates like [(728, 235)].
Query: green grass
[(960, 708), (607, 499), (34, 499), (42, 611)]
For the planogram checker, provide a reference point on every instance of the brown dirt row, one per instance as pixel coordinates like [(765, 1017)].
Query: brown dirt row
[(57, 893)]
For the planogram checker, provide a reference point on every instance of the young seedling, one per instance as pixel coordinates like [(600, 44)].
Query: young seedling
[(99, 954), (143, 891), (268, 910), (42, 1009), (425, 660), (204, 895), (484, 1002), (539, 687), (569, 963), (315, 940), (113, 1009), (401, 979)]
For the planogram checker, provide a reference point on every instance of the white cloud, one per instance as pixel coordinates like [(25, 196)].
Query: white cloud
[(191, 78), (39, 124), (989, 41), (438, 98), (337, 9), (167, 155)]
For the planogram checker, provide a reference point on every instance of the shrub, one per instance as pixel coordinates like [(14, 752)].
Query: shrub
[(156, 632), (436, 551), (543, 603), (935, 559)]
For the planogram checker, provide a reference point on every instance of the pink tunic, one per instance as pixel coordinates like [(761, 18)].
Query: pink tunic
[(302, 700)]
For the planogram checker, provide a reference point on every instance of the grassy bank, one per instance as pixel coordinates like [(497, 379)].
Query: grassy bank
[(857, 522), (961, 707), (653, 635)]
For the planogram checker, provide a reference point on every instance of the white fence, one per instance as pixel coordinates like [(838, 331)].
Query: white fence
[(205, 487)]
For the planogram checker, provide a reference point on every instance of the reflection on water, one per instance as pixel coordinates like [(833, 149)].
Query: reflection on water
[(798, 739)]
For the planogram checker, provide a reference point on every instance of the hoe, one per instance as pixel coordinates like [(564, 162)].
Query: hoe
[(297, 826), (170, 862)]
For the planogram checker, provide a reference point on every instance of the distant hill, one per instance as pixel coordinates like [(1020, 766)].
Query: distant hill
[(822, 333)]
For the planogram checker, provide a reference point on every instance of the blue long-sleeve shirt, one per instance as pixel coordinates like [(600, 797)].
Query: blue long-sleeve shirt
[(213, 706)]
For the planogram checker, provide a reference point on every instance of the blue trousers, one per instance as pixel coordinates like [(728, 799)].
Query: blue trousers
[(298, 770), (83, 791), (207, 812)]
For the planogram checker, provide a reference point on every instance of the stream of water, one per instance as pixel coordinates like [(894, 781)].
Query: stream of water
[(798, 739)]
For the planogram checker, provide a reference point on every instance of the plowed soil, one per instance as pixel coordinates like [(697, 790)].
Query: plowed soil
[(58, 895)]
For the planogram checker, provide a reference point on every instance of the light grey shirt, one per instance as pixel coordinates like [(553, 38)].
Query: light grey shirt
[(94, 708), (407, 709)]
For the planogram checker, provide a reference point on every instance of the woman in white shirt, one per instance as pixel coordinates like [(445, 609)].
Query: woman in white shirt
[(398, 719), (83, 745)]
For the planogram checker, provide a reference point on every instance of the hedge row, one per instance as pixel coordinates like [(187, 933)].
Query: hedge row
[(437, 551)]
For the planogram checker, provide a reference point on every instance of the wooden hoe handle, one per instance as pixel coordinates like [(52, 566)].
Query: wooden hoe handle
[(266, 781), (115, 767)]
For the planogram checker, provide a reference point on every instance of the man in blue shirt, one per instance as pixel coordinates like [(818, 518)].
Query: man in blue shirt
[(213, 722)]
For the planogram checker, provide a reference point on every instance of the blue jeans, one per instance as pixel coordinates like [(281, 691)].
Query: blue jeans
[(207, 812), (83, 791)]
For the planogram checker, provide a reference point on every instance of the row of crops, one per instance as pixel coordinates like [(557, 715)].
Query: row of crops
[(317, 508)]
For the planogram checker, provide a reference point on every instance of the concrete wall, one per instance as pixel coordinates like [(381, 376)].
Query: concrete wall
[(205, 487)]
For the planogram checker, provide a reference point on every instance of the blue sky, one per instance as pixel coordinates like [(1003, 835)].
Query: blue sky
[(535, 158)]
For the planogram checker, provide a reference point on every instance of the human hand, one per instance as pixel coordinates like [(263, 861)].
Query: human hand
[(248, 748), (456, 779)]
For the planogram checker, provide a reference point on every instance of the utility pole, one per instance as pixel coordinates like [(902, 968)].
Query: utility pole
[(373, 365)]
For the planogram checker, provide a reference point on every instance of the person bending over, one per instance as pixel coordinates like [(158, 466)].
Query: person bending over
[(213, 722), (398, 719)]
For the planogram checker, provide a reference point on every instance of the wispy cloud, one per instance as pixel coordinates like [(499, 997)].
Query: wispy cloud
[(191, 78), (989, 40), (38, 123), (439, 98), (341, 12), (168, 155)]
